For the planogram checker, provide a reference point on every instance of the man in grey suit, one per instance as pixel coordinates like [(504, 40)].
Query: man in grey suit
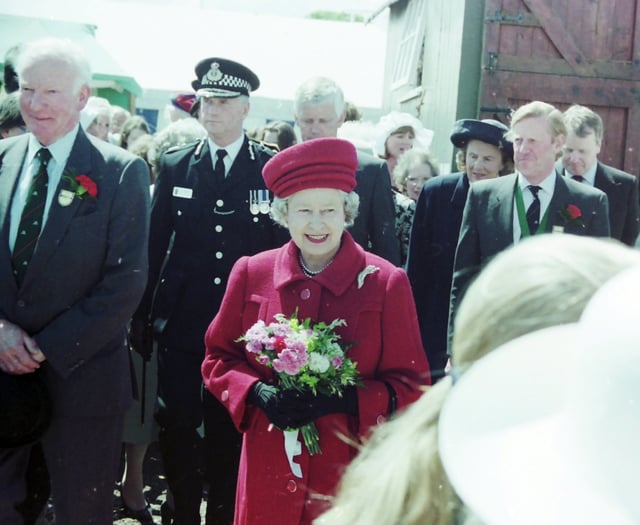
[(534, 200), (580, 162), (319, 111), (64, 307)]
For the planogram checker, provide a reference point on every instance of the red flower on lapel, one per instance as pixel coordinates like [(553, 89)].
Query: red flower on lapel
[(79, 185), (572, 215), (88, 185)]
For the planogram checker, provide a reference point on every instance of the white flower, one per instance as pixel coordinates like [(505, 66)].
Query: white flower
[(318, 362)]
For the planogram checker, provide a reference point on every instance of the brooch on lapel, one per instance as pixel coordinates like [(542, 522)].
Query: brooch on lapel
[(363, 274)]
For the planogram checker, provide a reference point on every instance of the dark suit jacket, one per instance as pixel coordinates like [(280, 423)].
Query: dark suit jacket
[(85, 278), (374, 228), (487, 223), (199, 229), (432, 248), (622, 191)]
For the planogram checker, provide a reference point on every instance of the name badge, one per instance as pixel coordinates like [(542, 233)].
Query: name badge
[(182, 193)]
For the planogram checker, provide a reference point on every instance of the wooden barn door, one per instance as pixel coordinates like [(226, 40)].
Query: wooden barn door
[(567, 52)]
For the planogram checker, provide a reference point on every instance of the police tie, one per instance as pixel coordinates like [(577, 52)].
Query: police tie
[(533, 211), (31, 218), (219, 170), (578, 178)]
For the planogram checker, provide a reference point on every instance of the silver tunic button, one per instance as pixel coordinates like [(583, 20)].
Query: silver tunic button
[(218, 255), (218, 228), (217, 280), (220, 202)]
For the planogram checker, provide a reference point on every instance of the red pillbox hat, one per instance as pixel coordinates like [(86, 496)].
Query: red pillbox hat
[(317, 163)]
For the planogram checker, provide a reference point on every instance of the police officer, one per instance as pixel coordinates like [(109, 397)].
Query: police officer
[(210, 206)]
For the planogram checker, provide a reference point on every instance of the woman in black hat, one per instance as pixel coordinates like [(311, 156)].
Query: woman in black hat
[(434, 235)]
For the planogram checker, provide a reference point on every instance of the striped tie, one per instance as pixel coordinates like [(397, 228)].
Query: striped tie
[(32, 216), (533, 212)]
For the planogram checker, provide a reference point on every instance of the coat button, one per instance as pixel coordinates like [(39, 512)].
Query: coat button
[(305, 294), (217, 280), (224, 397), (218, 255), (292, 486), (380, 419), (220, 202), (218, 228)]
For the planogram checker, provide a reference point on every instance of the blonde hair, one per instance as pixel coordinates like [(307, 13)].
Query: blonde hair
[(397, 477), (410, 159), (542, 281), (537, 109)]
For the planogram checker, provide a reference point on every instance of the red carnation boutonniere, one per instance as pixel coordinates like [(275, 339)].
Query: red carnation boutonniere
[(80, 186), (572, 215)]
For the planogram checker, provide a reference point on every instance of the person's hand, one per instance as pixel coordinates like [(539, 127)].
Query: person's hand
[(141, 338), (305, 407), (19, 353), (268, 399)]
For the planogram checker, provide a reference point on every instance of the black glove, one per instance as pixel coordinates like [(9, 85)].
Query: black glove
[(305, 407), (267, 398), (141, 338)]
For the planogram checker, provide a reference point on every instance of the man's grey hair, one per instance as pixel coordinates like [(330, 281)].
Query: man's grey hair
[(319, 90), (56, 50), (582, 121)]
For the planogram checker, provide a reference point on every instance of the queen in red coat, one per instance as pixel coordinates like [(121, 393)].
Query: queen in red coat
[(323, 275)]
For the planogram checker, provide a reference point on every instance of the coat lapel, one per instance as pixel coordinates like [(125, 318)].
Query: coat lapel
[(560, 200), (459, 195), (9, 173), (501, 209), (202, 165), (604, 181)]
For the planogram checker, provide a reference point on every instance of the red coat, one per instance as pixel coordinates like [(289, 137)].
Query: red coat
[(382, 326)]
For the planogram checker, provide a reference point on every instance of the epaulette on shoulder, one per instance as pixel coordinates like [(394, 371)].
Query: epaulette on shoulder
[(182, 147), (268, 145), (199, 146)]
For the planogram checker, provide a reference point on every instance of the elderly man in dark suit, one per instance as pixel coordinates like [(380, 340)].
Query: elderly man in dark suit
[(319, 111), (534, 200), (580, 162), (436, 227), (210, 207), (72, 275)]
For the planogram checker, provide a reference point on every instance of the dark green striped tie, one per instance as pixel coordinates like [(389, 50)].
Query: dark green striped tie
[(32, 217)]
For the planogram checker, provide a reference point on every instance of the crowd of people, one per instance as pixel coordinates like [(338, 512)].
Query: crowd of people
[(315, 330)]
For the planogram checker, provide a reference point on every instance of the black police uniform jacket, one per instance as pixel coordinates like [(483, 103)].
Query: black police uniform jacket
[(199, 228)]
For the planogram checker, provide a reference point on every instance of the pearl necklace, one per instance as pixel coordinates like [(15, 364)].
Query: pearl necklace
[(312, 273)]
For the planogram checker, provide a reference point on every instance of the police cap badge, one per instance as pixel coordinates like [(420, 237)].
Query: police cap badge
[(219, 77)]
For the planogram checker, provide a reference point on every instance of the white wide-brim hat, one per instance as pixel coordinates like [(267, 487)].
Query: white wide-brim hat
[(546, 428), (396, 120)]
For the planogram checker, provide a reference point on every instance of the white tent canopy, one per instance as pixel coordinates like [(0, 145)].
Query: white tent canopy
[(160, 45)]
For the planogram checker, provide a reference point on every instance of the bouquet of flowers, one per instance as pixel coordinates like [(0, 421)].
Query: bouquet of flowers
[(304, 356)]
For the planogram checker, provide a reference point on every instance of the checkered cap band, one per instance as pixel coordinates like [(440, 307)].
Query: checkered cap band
[(227, 81)]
